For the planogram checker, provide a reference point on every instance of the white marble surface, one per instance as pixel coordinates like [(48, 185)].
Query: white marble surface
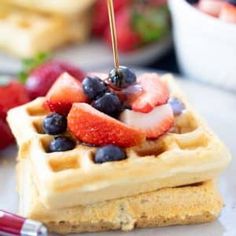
[(219, 109)]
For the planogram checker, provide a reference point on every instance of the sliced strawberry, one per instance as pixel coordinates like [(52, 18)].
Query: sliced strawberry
[(154, 124), (155, 93), (65, 91), (94, 127), (6, 137), (228, 13), (211, 7)]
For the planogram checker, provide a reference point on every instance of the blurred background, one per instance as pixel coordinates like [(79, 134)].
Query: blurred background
[(39, 40)]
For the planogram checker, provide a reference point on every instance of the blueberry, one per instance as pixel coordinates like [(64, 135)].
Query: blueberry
[(54, 124), (192, 1), (61, 144), (94, 87), (109, 104), (233, 2), (121, 78), (177, 106), (109, 153)]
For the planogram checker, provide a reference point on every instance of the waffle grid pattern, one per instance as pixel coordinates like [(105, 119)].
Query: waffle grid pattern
[(190, 150)]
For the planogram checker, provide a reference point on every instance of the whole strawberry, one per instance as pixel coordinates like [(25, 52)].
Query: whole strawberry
[(140, 23), (6, 137), (42, 77), (127, 38), (12, 94), (100, 15)]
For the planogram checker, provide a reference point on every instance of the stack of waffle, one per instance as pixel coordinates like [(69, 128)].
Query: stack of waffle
[(30, 27), (167, 181)]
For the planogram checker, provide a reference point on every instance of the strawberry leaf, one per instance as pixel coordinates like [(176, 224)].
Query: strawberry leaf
[(29, 64), (151, 23)]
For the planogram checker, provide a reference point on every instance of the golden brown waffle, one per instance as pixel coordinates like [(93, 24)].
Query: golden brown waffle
[(64, 7), (197, 203), (25, 34), (189, 154)]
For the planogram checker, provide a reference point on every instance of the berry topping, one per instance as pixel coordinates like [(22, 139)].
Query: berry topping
[(109, 153), (155, 92), (211, 7), (228, 13), (233, 2), (192, 1), (94, 127), (109, 104), (65, 91), (121, 78), (42, 77), (154, 123), (54, 124), (94, 87), (61, 144), (177, 106)]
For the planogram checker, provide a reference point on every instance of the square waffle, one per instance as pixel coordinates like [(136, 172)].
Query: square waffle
[(191, 204), (23, 33), (190, 153), (62, 7)]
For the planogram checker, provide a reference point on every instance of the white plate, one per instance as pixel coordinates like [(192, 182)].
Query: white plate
[(95, 54), (218, 107)]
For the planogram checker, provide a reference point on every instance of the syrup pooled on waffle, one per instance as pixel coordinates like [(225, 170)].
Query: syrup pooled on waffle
[(101, 139)]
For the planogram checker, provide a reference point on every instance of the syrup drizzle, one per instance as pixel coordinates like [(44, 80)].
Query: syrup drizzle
[(111, 14)]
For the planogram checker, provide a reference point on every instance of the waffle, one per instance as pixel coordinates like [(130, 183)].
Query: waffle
[(62, 7), (197, 203), (189, 154), (25, 34)]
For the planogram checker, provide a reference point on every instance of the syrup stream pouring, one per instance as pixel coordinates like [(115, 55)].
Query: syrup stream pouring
[(110, 7)]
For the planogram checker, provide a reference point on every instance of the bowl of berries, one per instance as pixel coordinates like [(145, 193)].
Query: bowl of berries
[(205, 36)]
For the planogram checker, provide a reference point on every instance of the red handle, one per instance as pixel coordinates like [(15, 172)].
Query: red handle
[(10, 224)]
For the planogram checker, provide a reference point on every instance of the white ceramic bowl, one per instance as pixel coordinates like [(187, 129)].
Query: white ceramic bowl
[(206, 46)]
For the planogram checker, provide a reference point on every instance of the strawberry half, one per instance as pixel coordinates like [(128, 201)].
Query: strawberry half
[(94, 127), (228, 13), (154, 124), (155, 93), (65, 91)]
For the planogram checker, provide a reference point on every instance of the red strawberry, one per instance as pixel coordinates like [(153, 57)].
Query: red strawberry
[(42, 77), (2, 113), (100, 17), (6, 138), (94, 127), (211, 7), (228, 13), (127, 38), (65, 91), (12, 94), (154, 123), (155, 93)]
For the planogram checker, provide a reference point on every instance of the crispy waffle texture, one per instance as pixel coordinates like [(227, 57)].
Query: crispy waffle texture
[(63, 7), (197, 203), (24, 33), (190, 153)]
